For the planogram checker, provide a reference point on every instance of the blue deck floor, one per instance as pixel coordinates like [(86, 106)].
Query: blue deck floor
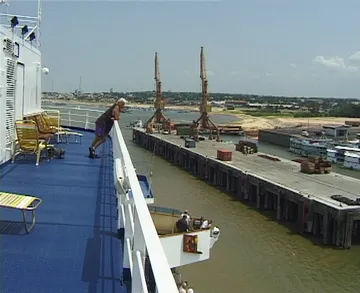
[(74, 246)]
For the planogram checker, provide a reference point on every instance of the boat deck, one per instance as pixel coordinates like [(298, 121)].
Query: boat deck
[(74, 245), (284, 172)]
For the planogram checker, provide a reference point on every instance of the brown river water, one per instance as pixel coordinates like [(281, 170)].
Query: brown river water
[(253, 254)]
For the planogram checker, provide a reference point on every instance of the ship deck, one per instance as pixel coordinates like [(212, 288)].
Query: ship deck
[(283, 173), (74, 245)]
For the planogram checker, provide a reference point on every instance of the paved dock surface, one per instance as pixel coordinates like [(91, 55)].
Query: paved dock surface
[(284, 172)]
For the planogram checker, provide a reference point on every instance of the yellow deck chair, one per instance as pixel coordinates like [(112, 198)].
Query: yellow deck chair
[(28, 141), (53, 122), (24, 203)]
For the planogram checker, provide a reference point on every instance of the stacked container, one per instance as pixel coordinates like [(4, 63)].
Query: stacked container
[(224, 155)]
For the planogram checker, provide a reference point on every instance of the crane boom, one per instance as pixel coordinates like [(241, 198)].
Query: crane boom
[(204, 122), (204, 83), (159, 103), (202, 65), (158, 118), (157, 71)]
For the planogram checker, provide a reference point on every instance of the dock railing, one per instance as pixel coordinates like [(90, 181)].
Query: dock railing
[(140, 235)]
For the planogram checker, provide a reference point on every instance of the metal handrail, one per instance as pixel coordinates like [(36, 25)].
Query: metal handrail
[(73, 117)]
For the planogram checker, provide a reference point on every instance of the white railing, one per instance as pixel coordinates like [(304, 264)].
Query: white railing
[(73, 117), (140, 236)]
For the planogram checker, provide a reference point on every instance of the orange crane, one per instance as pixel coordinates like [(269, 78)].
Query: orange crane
[(158, 119), (205, 122)]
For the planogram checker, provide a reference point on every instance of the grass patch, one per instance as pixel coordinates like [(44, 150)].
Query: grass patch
[(269, 114), (273, 114)]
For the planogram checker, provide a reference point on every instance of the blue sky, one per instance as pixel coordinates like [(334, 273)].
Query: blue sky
[(278, 47)]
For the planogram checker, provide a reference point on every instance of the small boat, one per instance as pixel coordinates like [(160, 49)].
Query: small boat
[(145, 188)]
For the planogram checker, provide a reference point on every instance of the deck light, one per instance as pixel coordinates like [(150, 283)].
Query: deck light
[(24, 30), (32, 37), (14, 22)]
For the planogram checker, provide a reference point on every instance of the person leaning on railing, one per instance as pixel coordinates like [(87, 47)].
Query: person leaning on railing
[(104, 124)]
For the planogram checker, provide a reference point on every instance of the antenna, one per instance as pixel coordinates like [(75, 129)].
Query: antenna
[(38, 24), (80, 86)]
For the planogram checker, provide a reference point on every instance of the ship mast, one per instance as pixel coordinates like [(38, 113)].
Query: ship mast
[(158, 118), (205, 122)]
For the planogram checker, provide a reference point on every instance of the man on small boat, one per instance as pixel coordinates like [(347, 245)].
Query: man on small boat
[(183, 286), (205, 224), (187, 216), (182, 225), (104, 124)]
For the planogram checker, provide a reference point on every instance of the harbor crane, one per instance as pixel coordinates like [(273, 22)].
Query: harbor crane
[(204, 122), (158, 120)]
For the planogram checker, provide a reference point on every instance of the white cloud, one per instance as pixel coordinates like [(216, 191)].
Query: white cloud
[(355, 56), (210, 72), (293, 65), (335, 63)]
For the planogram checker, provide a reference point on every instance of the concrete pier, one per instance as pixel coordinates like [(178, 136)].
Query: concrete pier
[(302, 200)]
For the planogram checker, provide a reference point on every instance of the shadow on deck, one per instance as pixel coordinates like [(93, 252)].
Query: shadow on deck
[(74, 246)]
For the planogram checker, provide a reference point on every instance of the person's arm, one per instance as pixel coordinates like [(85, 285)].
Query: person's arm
[(116, 113)]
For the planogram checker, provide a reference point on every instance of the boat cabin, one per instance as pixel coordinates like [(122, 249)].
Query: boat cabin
[(337, 131)]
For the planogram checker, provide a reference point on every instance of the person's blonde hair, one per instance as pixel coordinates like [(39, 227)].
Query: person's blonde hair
[(122, 100)]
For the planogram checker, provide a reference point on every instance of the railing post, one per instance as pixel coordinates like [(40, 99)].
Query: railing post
[(138, 283), (87, 120), (139, 241), (58, 123), (121, 212), (69, 119), (138, 255), (128, 241), (120, 194)]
